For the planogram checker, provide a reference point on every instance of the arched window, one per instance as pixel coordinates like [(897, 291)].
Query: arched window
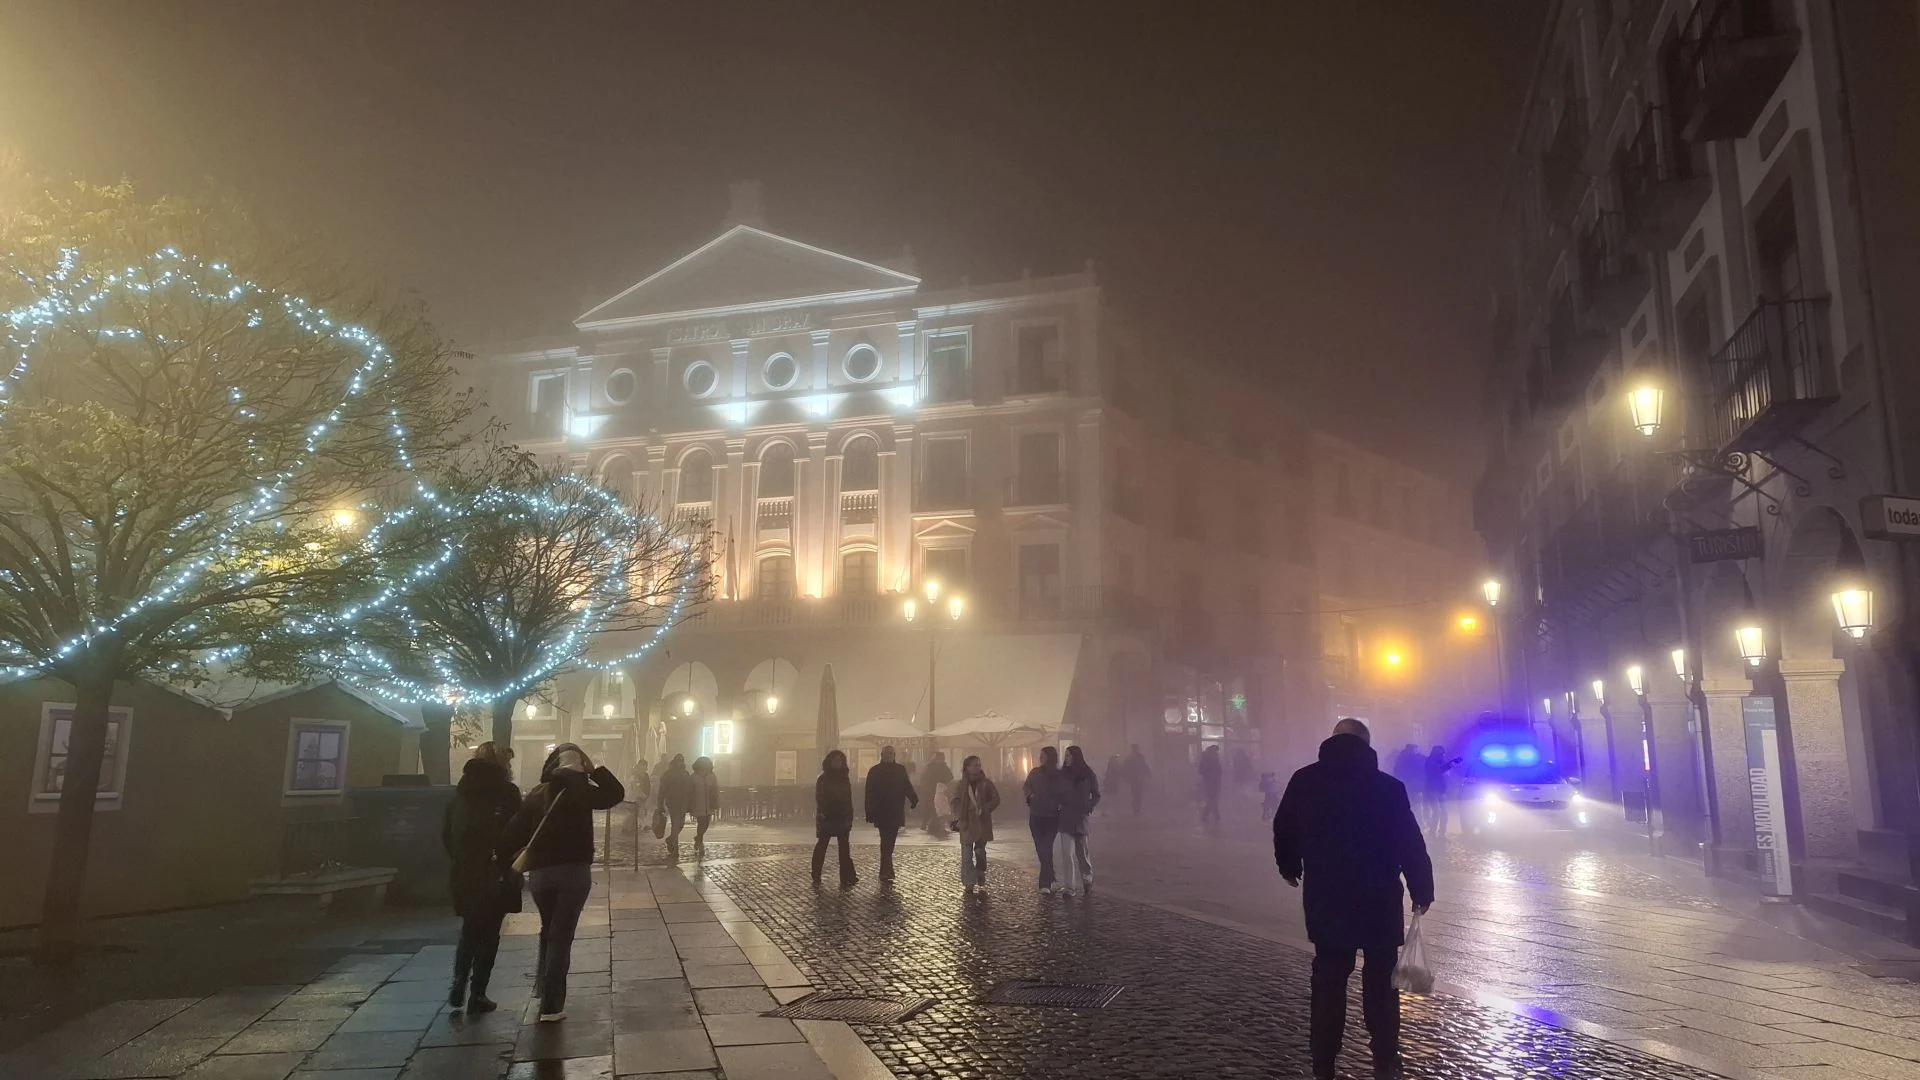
[(776, 471), (860, 573), (616, 475), (860, 466), (776, 577), (696, 477)]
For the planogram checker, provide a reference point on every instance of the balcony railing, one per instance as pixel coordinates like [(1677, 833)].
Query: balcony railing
[(776, 512), (1771, 376), (1732, 58), (1663, 184), (694, 515), (859, 507)]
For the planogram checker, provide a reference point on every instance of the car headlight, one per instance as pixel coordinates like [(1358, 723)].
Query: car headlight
[(1576, 799), (1491, 798)]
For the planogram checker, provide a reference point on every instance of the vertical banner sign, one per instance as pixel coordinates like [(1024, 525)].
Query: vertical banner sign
[(1769, 804)]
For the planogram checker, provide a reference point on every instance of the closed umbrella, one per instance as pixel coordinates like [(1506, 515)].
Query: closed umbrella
[(884, 728), (828, 731)]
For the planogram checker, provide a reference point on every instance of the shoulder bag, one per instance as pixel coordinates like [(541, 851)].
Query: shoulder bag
[(525, 854)]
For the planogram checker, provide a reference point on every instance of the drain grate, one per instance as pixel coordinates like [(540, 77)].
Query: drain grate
[(852, 1008), (1057, 995)]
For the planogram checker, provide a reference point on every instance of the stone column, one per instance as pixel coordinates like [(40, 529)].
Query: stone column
[(909, 352), (830, 531), (1820, 775), (822, 360), (1085, 483), (662, 382), (810, 517), (737, 376), (730, 520), (1676, 763), (653, 484), (1724, 697), (896, 511)]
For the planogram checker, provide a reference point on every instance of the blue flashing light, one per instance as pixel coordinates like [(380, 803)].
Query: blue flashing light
[(1495, 755), (1526, 755)]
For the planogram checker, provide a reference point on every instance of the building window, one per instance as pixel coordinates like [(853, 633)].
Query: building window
[(700, 379), (776, 471), (775, 577), (50, 766), (696, 477), (1343, 490), (862, 363), (943, 476), (1039, 469), (860, 573), (547, 402), (948, 373), (317, 757), (620, 386), (860, 466), (780, 371), (1040, 586), (946, 565), (1037, 359)]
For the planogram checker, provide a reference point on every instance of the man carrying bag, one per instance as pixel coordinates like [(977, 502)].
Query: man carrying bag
[(1348, 831)]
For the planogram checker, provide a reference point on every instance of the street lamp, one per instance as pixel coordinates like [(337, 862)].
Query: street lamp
[(532, 710), (1680, 661), (956, 606), (606, 710), (687, 705), (1646, 403), (1637, 680), (1491, 590), (1600, 691), (773, 704), (1752, 641), (1852, 597)]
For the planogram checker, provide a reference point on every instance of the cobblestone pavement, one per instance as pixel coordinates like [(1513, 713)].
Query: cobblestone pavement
[(1200, 1001), (1593, 935)]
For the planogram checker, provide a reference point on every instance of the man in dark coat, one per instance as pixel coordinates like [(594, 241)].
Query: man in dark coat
[(1349, 831), (889, 791)]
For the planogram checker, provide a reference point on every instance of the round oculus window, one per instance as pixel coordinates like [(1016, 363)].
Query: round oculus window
[(620, 387), (780, 371), (862, 363), (700, 378)]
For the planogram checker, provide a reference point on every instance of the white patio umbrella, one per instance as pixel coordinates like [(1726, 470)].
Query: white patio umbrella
[(992, 730), (883, 729)]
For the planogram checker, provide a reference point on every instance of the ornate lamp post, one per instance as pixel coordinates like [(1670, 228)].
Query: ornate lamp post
[(956, 606)]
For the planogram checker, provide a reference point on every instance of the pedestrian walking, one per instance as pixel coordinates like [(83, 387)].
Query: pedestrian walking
[(888, 793), (1079, 795), (1242, 766), (1137, 776), (1042, 790), (1210, 776), (676, 797), (1269, 795), (1347, 830), (936, 776), (703, 801), (1438, 765), (554, 832), (974, 800), (1410, 768), (833, 816), (486, 888)]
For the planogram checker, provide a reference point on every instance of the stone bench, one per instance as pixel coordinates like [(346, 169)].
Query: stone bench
[(356, 887)]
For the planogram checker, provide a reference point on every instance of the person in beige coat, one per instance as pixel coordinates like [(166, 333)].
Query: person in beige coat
[(974, 801)]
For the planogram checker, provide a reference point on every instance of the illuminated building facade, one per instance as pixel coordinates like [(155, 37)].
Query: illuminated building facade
[(1126, 537)]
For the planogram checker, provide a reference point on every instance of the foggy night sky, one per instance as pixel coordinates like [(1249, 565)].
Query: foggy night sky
[(1303, 189)]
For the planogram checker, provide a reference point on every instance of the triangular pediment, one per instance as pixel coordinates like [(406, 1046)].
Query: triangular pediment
[(943, 529), (745, 268)]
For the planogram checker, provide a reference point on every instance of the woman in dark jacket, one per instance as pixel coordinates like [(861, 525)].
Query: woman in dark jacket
[(555, 826), (485, 887), (1079, 794), (676, 797), (833, 816)]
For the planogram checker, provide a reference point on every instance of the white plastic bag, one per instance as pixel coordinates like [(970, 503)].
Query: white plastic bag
[(1412, 973)]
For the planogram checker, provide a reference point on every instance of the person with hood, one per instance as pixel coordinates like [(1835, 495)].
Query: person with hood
[(1137, 773), (703, 799), (889, 790), (973, 802), (485, 887), (1042, 790), (936, 775), (1408, 766), (1079, 794), (833, 816), (1438, 765), (555, 830), (1345, 831), (676, 797), (1211, 772)]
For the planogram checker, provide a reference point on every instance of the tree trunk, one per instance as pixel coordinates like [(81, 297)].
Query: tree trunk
[(436, 743), (503, 722), (73, 828)]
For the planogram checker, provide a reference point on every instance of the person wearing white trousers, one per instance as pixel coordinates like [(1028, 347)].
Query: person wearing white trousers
[(1080, 793)]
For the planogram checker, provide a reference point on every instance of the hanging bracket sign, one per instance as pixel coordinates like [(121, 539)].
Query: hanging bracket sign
[(1890, 517), (1721, 545)]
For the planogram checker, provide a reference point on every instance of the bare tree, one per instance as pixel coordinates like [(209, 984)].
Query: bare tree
[(546, 566), (174, 442)]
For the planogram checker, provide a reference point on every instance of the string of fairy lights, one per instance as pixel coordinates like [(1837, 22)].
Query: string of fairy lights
[(69, 296)]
